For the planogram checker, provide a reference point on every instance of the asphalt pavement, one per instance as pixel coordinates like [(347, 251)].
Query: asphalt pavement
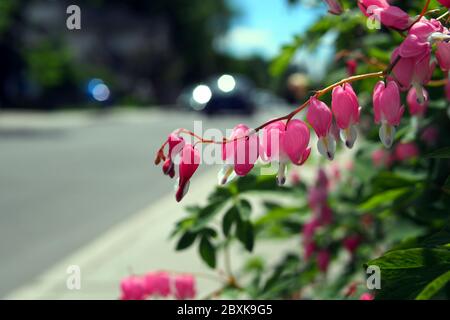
[(66, 178)]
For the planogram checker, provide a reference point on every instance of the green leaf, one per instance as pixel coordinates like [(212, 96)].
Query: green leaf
[(405, 273), (434, 286), (443, 153), (383, 198), (186, 240), (245, 233), (245, 209), (229, 218), (446, 186), (206, 214), (207, 252)]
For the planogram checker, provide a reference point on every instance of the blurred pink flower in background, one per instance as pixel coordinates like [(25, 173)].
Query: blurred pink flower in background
[(366, 296), (132, 288), (185, 287), (323, 260), (381, 158), (406, 151), (430, 135)]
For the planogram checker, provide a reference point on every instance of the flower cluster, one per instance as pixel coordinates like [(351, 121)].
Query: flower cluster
[(322, 216), (157, 284), (286, 140)]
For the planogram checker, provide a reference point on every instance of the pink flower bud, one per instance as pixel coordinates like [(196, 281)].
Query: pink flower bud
[(406, 151), (185, 287), (286, 144), (443, 55), (320, 118), (334, 7), (388, 110), (168, 168), (415, 107), (390, 16), (240, 153), (132, 288), (176, 144), (352, 65), (345, 107), (190, 160)]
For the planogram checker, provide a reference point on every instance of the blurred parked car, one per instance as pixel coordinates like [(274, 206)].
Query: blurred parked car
[(220, 94)]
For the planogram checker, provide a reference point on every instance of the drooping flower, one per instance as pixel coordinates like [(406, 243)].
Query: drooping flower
[(189, 162), (381, 10), (352, 65), (323, 260), (320, 118), (132, 288), (387, 109), (176, 144), (406, 151), (157, 283), (443, 55), (334, 7), (420, 38), (286, 144), (345, 107), (415, 71), (415, 107), (445, 3), (185, 287), (239, 154)]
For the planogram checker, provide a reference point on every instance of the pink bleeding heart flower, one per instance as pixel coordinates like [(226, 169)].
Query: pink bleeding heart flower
[(323, 260), (382, 158), (445, 3), (320, 118), (334, 7), (443, 55), (189, 162), (351, 243), (286, 144), (176, 144), (388, 110), (421, 37), (345, 107), (415, 71), (367, 296), (415, 107), (382, 11), (132, 288), (406, 151), (352, 65), (239, 154), (157, 283), (185, 287)]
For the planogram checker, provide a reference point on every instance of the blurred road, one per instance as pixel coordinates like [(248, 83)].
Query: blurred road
[(66, 178)]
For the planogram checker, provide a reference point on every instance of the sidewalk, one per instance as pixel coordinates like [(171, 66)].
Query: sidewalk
[(138, 245)]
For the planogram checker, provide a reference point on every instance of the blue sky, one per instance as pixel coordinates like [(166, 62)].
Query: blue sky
[(265, 25)]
